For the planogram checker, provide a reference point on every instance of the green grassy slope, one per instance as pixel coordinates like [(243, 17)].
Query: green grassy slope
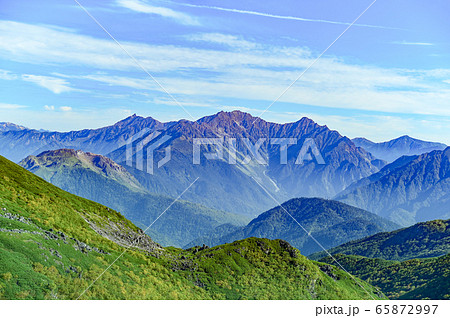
[(54, 244), (257, 268), (427, 278)]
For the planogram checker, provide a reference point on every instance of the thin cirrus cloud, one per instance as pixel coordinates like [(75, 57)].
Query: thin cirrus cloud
[(252, 71), (414, 43), (46, 45), (11, 106), (143, 7), (228, 40), (53, 84)]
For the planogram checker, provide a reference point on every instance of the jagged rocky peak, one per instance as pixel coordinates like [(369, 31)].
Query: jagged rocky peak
[(135, 119), (238, 122), (64, 155), (228, 117), (230, 121)]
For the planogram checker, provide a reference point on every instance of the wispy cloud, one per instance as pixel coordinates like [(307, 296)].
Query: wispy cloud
[(252, 71), (55, 85), (222, 39), (7, 75), (11, 106), (143, 7), (413, 43), (61, 108), (65, 108), (276, 16)]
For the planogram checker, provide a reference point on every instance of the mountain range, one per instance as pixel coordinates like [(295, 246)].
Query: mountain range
[(241, 187), (224, 186), (328, 222), (253, 162), (411, 189), (396, 148)]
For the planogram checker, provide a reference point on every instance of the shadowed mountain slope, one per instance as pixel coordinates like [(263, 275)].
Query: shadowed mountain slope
[(409, 190), (330, 222)]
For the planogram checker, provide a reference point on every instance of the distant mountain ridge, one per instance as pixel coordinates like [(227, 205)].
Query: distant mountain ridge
[(409, 190), (329, 222), (396, 148), (16, 144)]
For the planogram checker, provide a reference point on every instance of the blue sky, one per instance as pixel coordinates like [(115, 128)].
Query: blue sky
[(387, 76)]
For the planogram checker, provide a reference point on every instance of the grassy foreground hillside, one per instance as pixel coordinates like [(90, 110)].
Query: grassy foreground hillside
[(53, 245)]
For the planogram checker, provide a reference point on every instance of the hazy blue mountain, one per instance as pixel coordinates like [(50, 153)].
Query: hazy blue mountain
[(396, 148), (409, 190), (330, 222), (16, 144), (100, 179), (422, 240), (234, 187), (10, 127)]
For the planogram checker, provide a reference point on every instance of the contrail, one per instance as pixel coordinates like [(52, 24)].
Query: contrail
[(275, 16)]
